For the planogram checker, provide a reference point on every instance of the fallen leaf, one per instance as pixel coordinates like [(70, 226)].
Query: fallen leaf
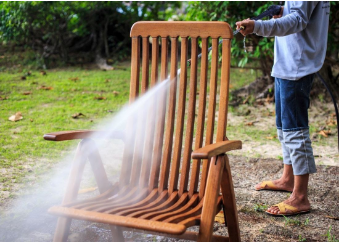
[(26, 93), (271, 137), (86, 190), (116, 93), (78, 115), (331, 217), (100, 98), (219, 218), (73, 79), (249, 124), (16, 117), (45, 88), (323, 133)]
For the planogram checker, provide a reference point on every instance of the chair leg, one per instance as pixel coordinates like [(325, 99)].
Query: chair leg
[(210, 199), (117, 234), (63, 225), (62, 230), (229, 202)]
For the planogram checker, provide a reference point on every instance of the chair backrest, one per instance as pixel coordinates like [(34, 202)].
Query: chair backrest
[(182, 125)]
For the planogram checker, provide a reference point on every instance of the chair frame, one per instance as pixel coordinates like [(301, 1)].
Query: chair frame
[(216, 172)]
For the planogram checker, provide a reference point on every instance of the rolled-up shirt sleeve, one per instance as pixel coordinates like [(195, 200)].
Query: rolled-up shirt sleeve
[(289, 23)]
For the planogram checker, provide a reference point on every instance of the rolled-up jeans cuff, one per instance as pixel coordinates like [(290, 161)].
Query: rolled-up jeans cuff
[(301, 153), (285, 150)]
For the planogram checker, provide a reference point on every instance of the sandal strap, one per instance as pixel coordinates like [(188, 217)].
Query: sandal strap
[(283, 206), (269, 184)]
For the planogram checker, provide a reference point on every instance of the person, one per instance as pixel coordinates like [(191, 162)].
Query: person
[(300, 32)]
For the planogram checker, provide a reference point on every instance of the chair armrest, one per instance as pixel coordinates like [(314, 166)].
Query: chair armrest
[(215, 149), (82, 134)]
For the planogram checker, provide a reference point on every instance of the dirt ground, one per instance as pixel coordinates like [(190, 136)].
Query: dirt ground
[(34, 224)]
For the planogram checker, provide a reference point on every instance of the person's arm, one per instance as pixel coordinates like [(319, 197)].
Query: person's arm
[(295, 21)]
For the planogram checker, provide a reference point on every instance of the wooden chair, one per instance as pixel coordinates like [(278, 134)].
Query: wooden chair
[(165, 192)]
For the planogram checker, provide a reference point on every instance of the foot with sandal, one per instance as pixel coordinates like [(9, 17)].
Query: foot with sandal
[(298, 202)]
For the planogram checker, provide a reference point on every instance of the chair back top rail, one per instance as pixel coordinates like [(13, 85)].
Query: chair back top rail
[(201, 29)]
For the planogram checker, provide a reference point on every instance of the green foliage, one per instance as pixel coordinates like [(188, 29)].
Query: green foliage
[(259, 207), (329, 236), (65, 27)]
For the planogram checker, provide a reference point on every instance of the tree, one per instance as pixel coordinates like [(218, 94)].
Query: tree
[(100, 29)]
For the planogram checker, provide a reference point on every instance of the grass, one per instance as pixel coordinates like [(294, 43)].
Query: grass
[(44, 111)]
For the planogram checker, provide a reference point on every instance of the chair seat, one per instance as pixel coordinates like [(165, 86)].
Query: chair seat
[(140, 209)]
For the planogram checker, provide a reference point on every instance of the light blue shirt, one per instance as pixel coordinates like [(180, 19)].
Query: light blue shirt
[(301, 38)]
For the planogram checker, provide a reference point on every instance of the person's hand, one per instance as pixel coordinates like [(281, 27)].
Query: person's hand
[(280, 14), (248, 26)]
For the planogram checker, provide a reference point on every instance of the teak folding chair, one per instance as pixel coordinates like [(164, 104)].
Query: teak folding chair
[(177, 182)]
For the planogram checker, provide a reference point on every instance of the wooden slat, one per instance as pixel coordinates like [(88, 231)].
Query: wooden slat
[(165, 167), (180, 118), (180, 203), (145, 64), (201, 117), (172, 199), (161, 111), (224, 90), (180, 28), (190, 119), (150, 198), (125, 173), (151, 122), (160, 198), (141, 121), (210, 113), (119, 220)]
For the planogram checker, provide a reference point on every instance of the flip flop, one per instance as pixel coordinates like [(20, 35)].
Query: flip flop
[(283, 207), (269, 185)]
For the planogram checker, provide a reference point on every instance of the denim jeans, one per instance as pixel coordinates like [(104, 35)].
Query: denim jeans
[(291, 106)]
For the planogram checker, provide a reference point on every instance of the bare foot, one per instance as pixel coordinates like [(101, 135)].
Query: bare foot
[(301, 203), (279, 184)]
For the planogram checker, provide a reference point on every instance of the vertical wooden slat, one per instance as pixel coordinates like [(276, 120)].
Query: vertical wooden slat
[(224, 89), (145, 64), (161, 111), (201, 117), (180, 118), (141, 121), (149, 140), (211, 113), (170, 117), (190, 119), (134, 91)]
